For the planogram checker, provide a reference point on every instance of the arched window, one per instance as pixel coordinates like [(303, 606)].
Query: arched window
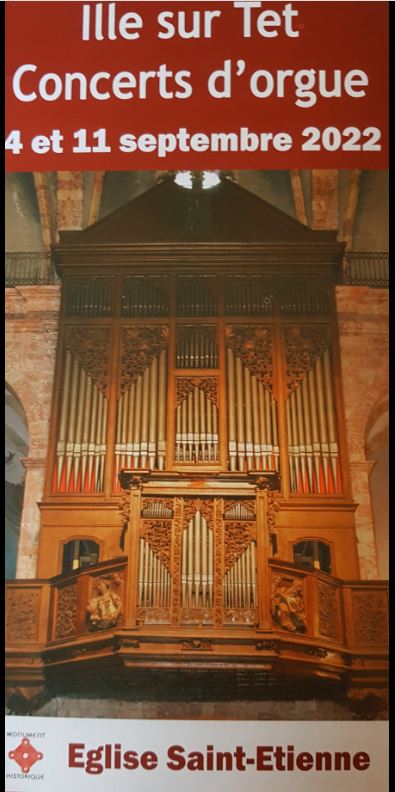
[(313, 554), (79, 553)]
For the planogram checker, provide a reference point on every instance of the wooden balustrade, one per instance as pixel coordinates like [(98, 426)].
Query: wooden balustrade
[(298, 603)]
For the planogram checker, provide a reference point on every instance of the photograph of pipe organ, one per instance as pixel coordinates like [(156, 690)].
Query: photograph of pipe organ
[(198, 532)]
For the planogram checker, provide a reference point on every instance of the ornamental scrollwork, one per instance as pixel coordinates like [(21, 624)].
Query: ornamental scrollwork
[(288, 609), (105, 609), (186, 385), (178, 528), (124, 509), (241, 616), (90, 346), (273, 507), (238, 536), (203, 505), (140, 345), (158, 535), (253, 345), (196, 645), (304, 345)]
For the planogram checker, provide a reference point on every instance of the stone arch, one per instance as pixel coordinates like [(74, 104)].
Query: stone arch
[(16, 449), (377, 453)]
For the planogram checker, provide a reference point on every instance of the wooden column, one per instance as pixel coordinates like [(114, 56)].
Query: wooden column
[(262, 556), (131, 551)]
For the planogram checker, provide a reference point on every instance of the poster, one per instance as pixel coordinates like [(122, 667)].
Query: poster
[(196, 394)]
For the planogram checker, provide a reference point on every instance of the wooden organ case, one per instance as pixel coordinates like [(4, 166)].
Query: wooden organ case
[(197, 512)]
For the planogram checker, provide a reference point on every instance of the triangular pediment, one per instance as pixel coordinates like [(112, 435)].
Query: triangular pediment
[(225, 213)]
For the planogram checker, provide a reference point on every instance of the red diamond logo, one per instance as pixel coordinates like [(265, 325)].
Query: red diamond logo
[(25, 755)]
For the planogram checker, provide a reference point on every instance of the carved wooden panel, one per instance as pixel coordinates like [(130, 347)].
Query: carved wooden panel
[(288, 603), (328, 610), (186, 385), (204, 505), (370, 610), (304, 344), (253, 345), (66, 611), (91, 347), (158, 534), (237, 537), (178, 525), (140, 345), (22, 615)]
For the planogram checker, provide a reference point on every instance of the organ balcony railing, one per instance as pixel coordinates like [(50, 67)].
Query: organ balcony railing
[(270, 615), (29, 269)]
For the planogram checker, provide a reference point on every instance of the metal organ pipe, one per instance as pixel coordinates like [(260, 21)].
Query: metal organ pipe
[(197, 564), (81, 445), (141, 420), (239, 583), (154, 579), (312, 437), (196, 428), (252, 420)]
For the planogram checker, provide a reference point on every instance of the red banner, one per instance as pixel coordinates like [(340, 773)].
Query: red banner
[(215, 85)]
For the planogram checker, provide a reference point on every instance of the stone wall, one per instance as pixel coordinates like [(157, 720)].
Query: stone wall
[(363, 335), (31, 336)]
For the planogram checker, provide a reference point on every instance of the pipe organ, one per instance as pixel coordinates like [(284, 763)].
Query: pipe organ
[(197, 438), (251, 396)]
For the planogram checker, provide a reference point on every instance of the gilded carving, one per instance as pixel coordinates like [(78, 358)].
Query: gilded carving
[(105, 609), (91, 347), (124, 509), (371, 616), (186, 385), (196, 644), (241, 616), (22, 615), (218, 560), (153, 616), (176, 564), (273, 507), (267, 646), (197, 616), (204, 505), (238, 536), (66, 611), (288, 609), (158, 535), (327, 611), (304, 345), (253, 345), (140, 345)]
